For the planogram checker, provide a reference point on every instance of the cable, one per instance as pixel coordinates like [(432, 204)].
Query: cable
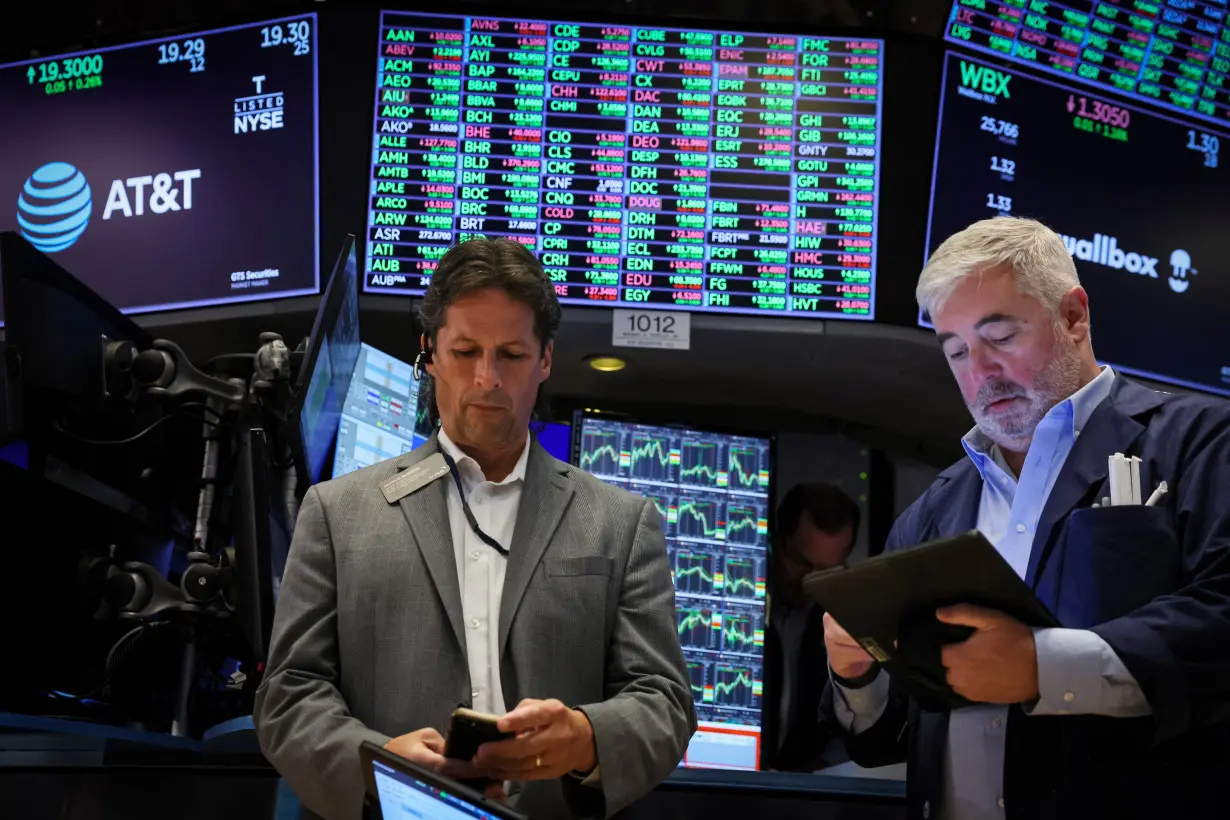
[(98, 442)]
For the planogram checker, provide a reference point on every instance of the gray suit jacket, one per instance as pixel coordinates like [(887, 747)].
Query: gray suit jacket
[(368, 641)]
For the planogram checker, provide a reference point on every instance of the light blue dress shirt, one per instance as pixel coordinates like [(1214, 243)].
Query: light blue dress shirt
[(1078, 672)]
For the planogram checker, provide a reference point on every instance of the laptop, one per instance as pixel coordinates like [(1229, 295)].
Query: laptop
[(399, 790)]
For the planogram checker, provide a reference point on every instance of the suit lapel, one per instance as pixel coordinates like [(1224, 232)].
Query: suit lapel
[(956, 501), (544, 498), (427, 513), (1111, 429)]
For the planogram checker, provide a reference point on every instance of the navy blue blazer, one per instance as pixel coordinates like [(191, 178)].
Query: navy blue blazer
[(1153, 582)]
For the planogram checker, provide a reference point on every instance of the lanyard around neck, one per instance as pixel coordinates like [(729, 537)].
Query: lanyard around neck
[(465, 507)]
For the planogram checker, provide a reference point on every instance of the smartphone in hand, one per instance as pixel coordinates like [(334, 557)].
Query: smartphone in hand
[(467, 730)]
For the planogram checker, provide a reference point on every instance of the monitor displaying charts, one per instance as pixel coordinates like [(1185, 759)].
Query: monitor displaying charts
[(378, 414), (722, 171), (713, 491)]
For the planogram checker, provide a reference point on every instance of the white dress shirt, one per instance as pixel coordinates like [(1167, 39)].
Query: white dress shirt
[(480, 569)]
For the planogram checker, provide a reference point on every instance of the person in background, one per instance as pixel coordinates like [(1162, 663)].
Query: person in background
[(1124, 712), (479, 570), (815, 528)]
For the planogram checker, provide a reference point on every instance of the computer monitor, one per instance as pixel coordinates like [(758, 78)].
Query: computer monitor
[(328, 363), (714, 492), (68, 400), (378, 415)]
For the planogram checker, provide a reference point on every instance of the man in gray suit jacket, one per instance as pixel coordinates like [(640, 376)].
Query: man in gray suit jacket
[(479, 570)]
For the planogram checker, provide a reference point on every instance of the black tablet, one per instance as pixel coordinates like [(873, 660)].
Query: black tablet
[(399, 790), (894, 597)]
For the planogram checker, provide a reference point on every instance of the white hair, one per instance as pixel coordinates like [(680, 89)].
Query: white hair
[(1039, 260)]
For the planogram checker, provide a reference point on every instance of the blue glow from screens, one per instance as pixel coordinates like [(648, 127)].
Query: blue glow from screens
[(1176, 55), (655, 167), (555, 438), (215, 200), (997, 154), (377, 420), (712, 490), (332, 370)]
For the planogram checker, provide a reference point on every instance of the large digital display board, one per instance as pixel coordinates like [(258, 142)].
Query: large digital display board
[(170, 173), (1131, 192), (658, 167), (1172, 53)]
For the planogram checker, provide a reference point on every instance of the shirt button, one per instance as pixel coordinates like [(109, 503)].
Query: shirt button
[(475, 623), (1020, 528), (926, 809), (473, 693), (474, 555), (1000, 802), (995, 724), (1068, 697)]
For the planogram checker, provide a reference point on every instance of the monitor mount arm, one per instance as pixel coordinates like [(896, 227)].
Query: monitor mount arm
[(165, 370)]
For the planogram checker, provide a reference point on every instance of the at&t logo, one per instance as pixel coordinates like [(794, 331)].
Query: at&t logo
[(54, 207)]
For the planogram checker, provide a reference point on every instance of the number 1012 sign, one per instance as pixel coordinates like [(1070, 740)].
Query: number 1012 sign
[(651, 328)]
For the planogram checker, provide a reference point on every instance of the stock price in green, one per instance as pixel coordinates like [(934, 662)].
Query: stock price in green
[(71, 68)]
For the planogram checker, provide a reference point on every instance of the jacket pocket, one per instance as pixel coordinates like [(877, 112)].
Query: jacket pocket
[(1115, 560)]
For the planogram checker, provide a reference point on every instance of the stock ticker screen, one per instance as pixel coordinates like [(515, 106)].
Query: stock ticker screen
[(170, 173), (1131, 192), (712, 490), (652, 167), (1172, 53)]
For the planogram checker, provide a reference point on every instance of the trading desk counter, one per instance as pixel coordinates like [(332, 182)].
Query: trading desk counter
[(52, 770)]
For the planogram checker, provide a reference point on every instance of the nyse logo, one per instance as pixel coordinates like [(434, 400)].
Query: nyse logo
[(162, 192), (986, 80), (261, 111)]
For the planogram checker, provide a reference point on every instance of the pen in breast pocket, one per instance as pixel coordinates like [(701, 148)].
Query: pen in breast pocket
[(1157, 494)]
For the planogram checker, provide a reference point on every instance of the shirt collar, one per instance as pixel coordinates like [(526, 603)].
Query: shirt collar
[(469, 467), (1077, 408)]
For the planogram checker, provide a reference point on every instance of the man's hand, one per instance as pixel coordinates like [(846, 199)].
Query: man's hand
[(996, 664), (846, 657), (426, 748), (551, 741)]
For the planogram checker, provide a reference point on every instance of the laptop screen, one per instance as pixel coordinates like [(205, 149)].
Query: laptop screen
[(405, 797)]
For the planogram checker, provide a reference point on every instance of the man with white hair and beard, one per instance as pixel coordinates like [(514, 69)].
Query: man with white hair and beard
[(1125, 711)]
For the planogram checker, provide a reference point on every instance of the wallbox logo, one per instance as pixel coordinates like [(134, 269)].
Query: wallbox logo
[(1105, 250)]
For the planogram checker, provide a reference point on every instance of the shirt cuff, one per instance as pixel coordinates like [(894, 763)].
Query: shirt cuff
[(857, 710), (593, 779), (1080, 674)]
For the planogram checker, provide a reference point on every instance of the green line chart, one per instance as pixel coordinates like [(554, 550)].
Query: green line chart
[(701, 463), (746, 522), (701, 517), (743, 577), (653, 458), (742, 632), (696, 628), (600, 451), (736, 686), (747, 467), (694, 572)]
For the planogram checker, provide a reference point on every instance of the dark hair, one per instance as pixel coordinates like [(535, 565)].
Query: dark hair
[(827, 505), (480, 264)]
